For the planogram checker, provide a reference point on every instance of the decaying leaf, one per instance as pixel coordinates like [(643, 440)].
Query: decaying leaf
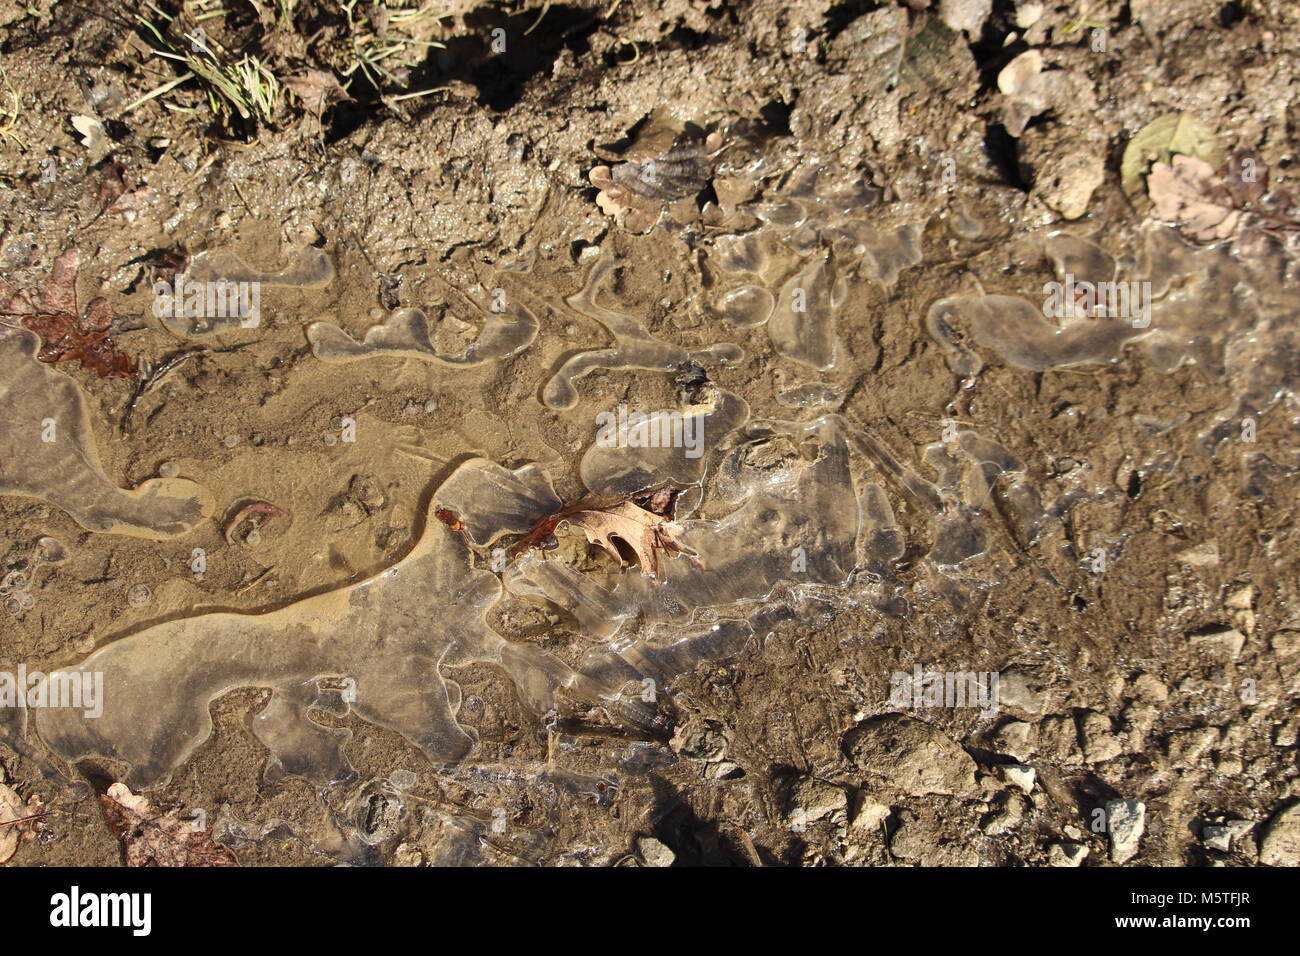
[(67, 335), (635, 192), (115, 193), (18, 821), (151, 837), (1162, 139), (450, 519), (607, 522), (318, 89), (1190, 193), (93, 136), (633, 213)]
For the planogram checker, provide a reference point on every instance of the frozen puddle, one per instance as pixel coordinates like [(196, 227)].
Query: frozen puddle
[(805, 504)]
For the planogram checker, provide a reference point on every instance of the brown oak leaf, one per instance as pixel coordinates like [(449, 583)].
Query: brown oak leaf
[(153, 837), (605, 523), (67, 335)]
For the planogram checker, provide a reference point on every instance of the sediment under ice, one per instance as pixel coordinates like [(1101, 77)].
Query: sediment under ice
[(786, 513), (47, 451), (634, 347), (1233, 317), (309, 268), (773, 510)]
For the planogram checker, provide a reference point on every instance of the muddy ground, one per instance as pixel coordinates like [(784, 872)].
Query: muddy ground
[(1169, 678)]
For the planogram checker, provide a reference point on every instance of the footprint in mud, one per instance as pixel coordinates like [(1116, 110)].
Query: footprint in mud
[(634, 347), (226, 294), (48, 452)]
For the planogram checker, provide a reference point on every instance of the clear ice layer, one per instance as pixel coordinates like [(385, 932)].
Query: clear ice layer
[(380, 644), (507, 330), (309, 268), (1231, 316), (48, 452), (634, 347), (793, 272)]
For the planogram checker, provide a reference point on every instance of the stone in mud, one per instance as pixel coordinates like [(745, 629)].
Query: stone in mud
[(869, 813), (967, 16), (1125, 821), (1286, 643), (1064, 168), (1099, 743), (1147, 687), (1016, 739), (1027, 14), (1010, 813), (1018, 776), (1067, 854), (1220, 643), (1186, 747), (1220, 836), (811, 799), (911, 755), (1017, 691), (1280, 844), (654, 852)]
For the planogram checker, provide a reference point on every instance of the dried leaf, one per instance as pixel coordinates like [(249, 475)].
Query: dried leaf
[(449, 518), (317, 89), (18, 821), (93, 136), (633, 213), (1189, 192), (635, 191), (112, 184), (1160, 141), (116, 196), (11, 808), (66, 335), (151, 837), (605, 523)]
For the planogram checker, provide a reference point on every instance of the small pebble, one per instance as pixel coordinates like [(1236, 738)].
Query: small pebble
[(50, 550), (655, 853), (402, 779), (138, 595)]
